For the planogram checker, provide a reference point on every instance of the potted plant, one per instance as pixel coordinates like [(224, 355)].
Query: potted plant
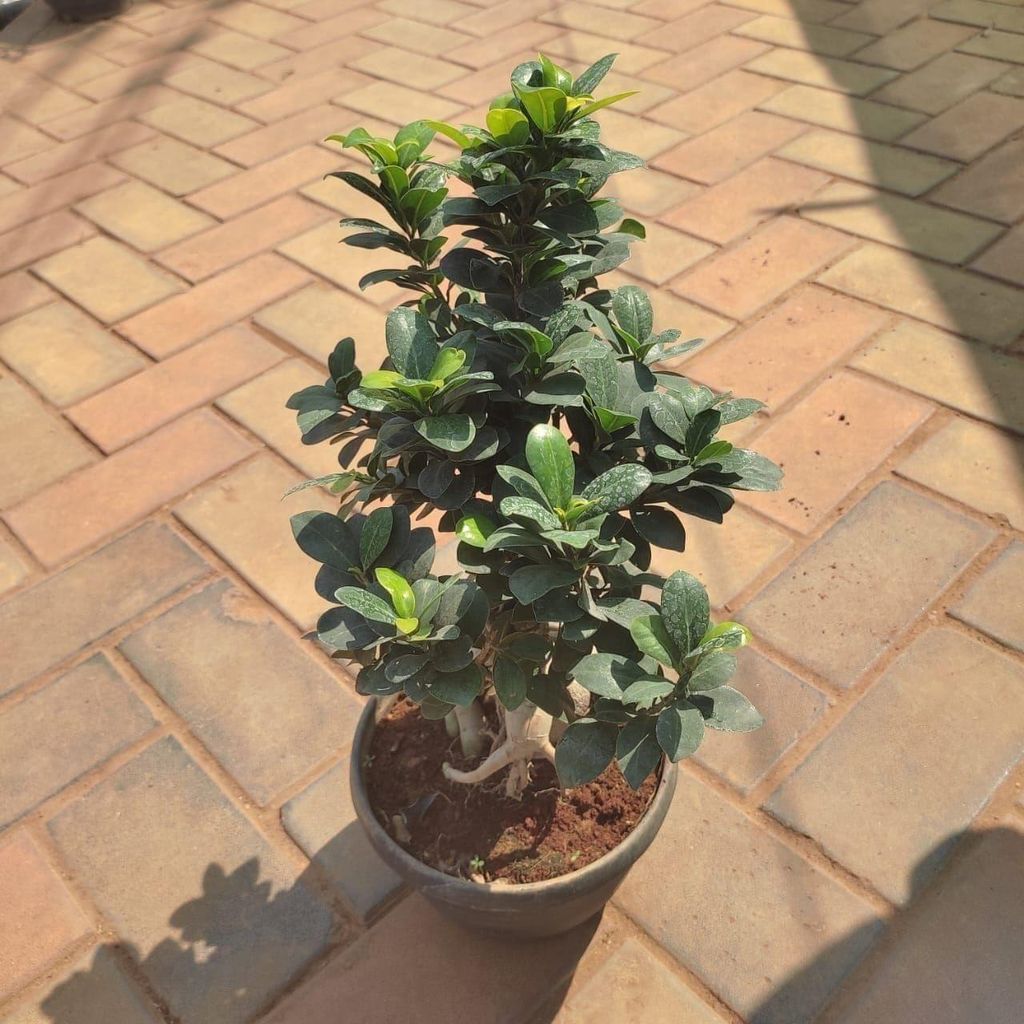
[(527, 410)]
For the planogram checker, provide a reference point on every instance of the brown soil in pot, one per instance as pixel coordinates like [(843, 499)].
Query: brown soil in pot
[(546, 834)]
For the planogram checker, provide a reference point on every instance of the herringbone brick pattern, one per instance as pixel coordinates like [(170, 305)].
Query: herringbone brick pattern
[(834, 200)]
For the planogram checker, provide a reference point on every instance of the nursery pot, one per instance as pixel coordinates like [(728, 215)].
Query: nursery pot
[(87, 10), (530, 910)]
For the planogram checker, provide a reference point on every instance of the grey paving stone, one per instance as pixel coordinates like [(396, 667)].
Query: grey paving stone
[(220, 921), (51, 738), (789, 705), (64, 613), (995, 604), (322, 820), (958, 960), (744, 912), (94, 991), (265, 709), (912, 763), (846, 598)]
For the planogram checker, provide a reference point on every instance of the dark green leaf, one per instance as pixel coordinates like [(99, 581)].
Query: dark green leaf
[(510, 682), (376, 533), (633, 311), (713, 670), (460, 687), (584, 751), (590, 79), (533, 581), (618, 488), (680, 729), (651, 637), (411, 343), (728, 710), (525, 485), (660, 527), (449, 433), (685, 610), (370, 606), (607, 675), (637, 750), (325, 538)]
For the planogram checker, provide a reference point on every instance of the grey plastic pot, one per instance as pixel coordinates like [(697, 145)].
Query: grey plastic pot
[(527, 911)]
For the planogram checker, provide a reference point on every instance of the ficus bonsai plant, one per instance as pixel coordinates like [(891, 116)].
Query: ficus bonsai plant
[(532, 409)]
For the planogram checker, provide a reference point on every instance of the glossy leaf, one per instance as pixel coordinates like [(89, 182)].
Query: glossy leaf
[(550, 460), (685, 610), (398, 588), (618, 488), (449, 433), (474, 530)]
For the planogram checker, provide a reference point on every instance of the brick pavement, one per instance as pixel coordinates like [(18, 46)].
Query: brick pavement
[(835, 202)]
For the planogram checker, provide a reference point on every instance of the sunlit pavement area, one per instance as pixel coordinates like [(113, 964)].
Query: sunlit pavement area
[(833, 198)]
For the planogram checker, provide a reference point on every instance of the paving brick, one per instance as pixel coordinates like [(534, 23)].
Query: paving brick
[(242, 517), (238, 50), (997, 45), (692, 320), (865, 118), (790, 707), (47, 196), (890, 167), (940, 84), (509, 979), (765, 916), (257, 20), (220, 85), (75, 513), (650, 192), (821, 40), (825, 72), (881, 16), (735, 206), (497, 16), (38, 101), (297, 95), (94, 991), (995, 603), (117, 108), (157, 842), (1012, 83), (693, 68), (338, 27), (726, 557), (22, 140), (168, 389), (577, 45), (1006, 258), (173, 166), (64, 354), (297, 714), (67, 156), (896, 843), (40, 238), (981, 13), (36, 447), (887, 558), (151, 72), (248, 189), (975, 464), (633, 987), (954, 299), (991, 187), (94, 596), (330, 55), (390, 102), (830, 441), (218, 302), (957, 373), (41, 920), (716, 101), (440, 12), (20, 293), (777, 256), (637, 135), (904, 223), (13, 569), (915, 44), (970, 128), (259, 407), (729, 148), (281, 137), (664, 253), (416, 36), (64, 730), (604, 21), (196, 121), (144, 217), (106, 278), (322, 821), (954, 960)]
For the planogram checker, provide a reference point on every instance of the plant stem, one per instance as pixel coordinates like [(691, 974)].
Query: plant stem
[(471, 729)]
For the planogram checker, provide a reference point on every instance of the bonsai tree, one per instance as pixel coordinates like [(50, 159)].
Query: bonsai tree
[(531, 408)]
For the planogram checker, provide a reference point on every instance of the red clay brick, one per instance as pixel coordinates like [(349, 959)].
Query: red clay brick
[(218, 302), (137, 406), (108, 496)]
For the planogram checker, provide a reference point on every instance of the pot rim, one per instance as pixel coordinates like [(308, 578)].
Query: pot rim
[(526, 891)]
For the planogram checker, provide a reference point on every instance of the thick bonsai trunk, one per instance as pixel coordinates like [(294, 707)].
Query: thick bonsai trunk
[(526, 736), (471, 728)]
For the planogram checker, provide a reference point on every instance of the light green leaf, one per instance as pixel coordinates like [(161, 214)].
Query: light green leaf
[(449, 360), (726, 636), (400, 591), (509, 127), (544, 105), (474, 530), (461, 139), (592, 108), (550, 459), (452, 433), (651, 637)]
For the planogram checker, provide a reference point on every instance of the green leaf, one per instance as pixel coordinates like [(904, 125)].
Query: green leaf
[(644, 692), (525, 485), (651, 637), (474, 530), (618, 488), (411, 343), (460, 687), (680, 730), (592, 108), (509, 127), (607, 675), (376, 533), (584, 751), (544, 105), (531, 511), (510, 682), (659, 526), (670, 417), (449, 360), (370, 606), (550, 459), (630, 226), (381, 380), (405, 666), (728, 710), (637, 750), (712, 452), (611, 421), (590, 79), (461, 139), (633, 311), (726, 636), (452, 433), (528, 646), (399, 590), (333, 481), (325, 538), (713, 670), (685, 610), (748, 471), (342, 629), (533, 581)]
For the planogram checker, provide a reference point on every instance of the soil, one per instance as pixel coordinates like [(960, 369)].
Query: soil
[(479, 832)]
